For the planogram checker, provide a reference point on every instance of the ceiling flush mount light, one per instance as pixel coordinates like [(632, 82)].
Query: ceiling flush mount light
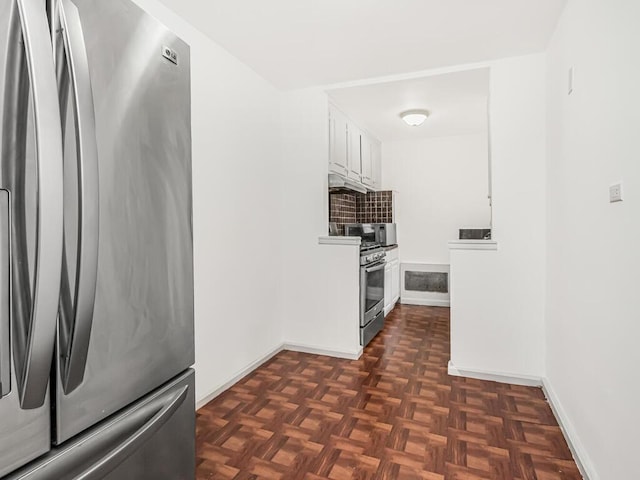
[(414, 118)]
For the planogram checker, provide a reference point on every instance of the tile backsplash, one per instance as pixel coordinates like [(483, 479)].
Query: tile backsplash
[(342, 209), (375, 207), (352, 207)]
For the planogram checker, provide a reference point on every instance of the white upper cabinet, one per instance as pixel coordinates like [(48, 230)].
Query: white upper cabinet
[(338, 142), (376, 160), (367, 161), (353, 155)]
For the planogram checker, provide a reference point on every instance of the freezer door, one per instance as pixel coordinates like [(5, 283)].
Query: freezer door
[(141, 329), (154, 439)]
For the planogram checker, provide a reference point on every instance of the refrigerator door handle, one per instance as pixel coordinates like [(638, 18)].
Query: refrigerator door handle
[(76, 312), (5, 292), (34, 351)]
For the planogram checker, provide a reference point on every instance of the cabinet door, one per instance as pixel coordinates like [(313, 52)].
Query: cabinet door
[(353, 155), (395, 281), (376, 174), (388, 289), (367, 166), (338, 142)]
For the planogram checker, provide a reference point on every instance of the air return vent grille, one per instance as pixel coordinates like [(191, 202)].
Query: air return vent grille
[(425, 284), (426, 281)]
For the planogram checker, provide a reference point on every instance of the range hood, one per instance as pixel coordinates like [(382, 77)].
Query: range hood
[(337, 181)]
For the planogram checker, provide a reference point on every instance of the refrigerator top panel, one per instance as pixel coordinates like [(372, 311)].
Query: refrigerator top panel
[(142, 328)]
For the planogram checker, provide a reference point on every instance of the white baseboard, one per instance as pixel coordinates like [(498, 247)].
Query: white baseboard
[(354, 355), (296, 347), (424, 302), (575, 445), (238, 376), (502, 377)]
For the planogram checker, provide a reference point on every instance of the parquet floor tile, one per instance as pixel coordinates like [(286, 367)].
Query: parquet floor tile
[(394, 414)]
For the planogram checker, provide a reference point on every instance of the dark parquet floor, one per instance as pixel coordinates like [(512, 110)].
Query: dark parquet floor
[(392, 414)]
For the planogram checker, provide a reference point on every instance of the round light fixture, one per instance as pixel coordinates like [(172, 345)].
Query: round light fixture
[(414, 118)]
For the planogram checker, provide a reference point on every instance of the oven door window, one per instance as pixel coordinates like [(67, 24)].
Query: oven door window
[(374, 286)]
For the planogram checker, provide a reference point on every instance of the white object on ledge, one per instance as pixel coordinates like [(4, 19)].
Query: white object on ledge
[(473, 245), (338, 240)]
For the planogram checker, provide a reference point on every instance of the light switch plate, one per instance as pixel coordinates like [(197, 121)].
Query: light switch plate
[(615, 193)]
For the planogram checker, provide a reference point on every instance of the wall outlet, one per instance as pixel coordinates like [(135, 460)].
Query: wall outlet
[(615, 193)]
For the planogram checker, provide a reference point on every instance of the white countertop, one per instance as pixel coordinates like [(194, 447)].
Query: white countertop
[(473, 245), (338, 240)]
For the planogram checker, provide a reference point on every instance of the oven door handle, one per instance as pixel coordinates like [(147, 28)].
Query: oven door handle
[(375, 268)]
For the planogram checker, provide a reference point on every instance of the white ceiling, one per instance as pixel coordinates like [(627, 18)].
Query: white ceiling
[(298, 43), (457, 102)]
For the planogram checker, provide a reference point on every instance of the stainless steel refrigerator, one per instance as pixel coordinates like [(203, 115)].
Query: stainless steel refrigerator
[(96, 268)]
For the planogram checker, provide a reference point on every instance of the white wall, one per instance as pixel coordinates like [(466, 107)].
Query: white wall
[(593, 280), (497, 314), (236, 210), (320, 283), (441, 185)]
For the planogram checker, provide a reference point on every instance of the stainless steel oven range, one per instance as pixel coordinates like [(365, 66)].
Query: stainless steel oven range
[(372, 263)]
